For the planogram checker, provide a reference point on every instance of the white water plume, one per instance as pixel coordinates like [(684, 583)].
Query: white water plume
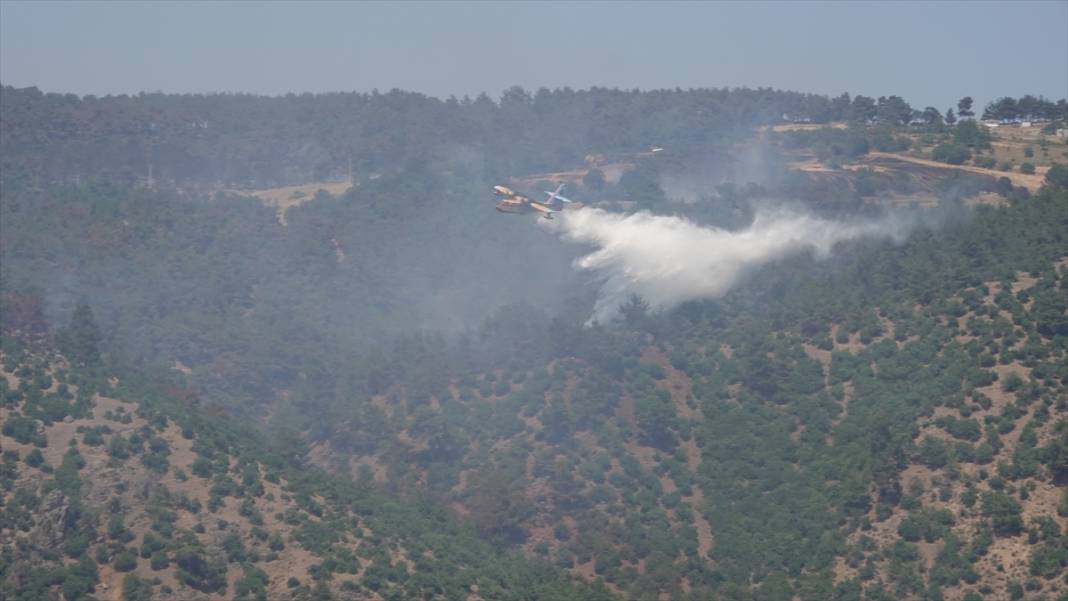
[(670, 260)]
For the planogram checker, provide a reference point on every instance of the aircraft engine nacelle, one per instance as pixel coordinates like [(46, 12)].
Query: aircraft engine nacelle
[(503, 191)]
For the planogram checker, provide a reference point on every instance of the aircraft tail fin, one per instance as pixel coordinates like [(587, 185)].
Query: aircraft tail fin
[(555, 195)]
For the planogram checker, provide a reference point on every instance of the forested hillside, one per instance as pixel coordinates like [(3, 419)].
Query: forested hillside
[(799, 437), (113, 488), (396, 393), (254, 141)]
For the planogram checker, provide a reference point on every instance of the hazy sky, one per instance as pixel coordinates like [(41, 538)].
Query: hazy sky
[(930, 53)]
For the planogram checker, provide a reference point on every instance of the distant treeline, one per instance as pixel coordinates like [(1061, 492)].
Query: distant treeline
[(238, 140), (245, 140), (1026, 108)]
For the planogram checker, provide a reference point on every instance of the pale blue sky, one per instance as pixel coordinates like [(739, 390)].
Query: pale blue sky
[(931, 53)]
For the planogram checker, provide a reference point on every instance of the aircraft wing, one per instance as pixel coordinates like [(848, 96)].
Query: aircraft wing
[(545, 211)]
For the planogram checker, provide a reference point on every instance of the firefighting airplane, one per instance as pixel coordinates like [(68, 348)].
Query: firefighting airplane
[(517, 203)]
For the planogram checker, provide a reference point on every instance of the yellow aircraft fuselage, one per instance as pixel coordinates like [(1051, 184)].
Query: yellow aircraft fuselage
[(517, 203)]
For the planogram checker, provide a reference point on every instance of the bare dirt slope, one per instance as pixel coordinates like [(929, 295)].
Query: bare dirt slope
[(1031, 182), (286, 197)]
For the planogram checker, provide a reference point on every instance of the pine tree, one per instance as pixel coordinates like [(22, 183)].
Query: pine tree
[(80, 341), (964, 107)]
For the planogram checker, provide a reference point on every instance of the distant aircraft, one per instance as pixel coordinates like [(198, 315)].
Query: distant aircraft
[(517, 203)]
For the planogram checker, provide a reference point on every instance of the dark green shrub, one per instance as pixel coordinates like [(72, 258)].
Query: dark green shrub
[(125, 561)]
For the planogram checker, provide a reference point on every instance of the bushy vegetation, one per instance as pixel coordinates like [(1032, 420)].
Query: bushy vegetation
[(250, 141), (750, 447)]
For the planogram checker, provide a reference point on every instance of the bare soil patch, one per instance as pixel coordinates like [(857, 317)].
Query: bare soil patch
[(696, 501), (1031, 182), (781, 127), (285, 197), (1023, 282)]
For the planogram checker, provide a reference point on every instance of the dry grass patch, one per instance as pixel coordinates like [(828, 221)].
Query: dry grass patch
[(285, 197)]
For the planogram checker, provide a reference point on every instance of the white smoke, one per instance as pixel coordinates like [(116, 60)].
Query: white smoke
[(671, 260)]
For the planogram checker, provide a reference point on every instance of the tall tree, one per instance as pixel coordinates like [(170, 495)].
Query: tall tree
[(894, 109), (931, 117), (840, 107), (80, 341), (1002, 109), (950, 117), (970, 134), (1029, 107), (964, 107), (864, 109)]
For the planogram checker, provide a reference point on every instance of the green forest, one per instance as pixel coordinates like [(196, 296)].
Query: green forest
[(394, 392)]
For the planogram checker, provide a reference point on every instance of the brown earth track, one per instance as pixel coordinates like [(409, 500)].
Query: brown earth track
[(1031, 182)]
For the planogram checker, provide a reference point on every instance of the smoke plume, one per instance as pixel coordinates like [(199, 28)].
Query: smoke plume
[(671, 260)]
